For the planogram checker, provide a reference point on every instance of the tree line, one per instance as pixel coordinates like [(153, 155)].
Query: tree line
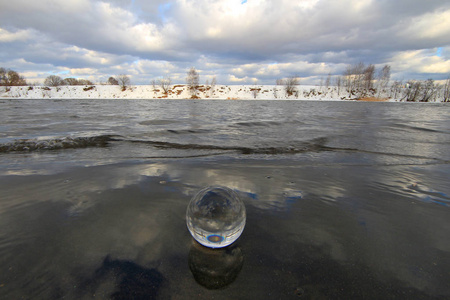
[(11, 78), (54, 80), (357, 81), (364, 81)]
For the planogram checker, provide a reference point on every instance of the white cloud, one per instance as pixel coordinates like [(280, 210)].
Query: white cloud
[(236, 41), (421, 62), (241, 80), (8, 36), (430, 26), (307, 4), (82, 71)]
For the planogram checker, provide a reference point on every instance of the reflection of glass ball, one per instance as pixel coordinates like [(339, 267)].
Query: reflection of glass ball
[(215, 268), (216, 217)]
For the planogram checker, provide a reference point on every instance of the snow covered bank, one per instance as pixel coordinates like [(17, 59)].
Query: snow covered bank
[(232, 92)]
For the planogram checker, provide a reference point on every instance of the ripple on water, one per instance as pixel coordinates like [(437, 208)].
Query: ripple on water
[(426, 194), (411, 185)]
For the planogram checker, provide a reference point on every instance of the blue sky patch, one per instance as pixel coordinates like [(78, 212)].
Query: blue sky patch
[(162, 9)]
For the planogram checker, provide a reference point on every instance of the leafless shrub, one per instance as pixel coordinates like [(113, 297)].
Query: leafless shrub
[(165, 84), (328, 81), (192, 80), (446, 91), (358, 79), (213, 85), (338, 81), (396, 89), (84, 82), (53, 80), (255, 90), (369, 76), (290, 85), (70, 81), (124, 81), (413, 89), (113, 81), (383, 78), (428, 90)]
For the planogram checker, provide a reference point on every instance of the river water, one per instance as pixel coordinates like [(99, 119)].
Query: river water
[(344, 199)]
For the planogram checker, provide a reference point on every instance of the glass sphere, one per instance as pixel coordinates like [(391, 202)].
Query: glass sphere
[(216, 217)]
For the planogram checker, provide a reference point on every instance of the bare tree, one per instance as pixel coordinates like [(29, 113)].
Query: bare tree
[(15, 79), (353, 78), (154, 84), (358, 79), (70, 81), (3, 79), (255, 90), (113, 81), (396, 89), (383, 78), (338, 84), (320, 84), (290, 85), (165, 84), (428, 90), (328, 81), (369, 76), (53, 80), (446, 96), (124, 81), (413, 89), (74, 81), (85, 82), (192, 80), (280, 81), (11, 78), (213, 85), (349, 78)]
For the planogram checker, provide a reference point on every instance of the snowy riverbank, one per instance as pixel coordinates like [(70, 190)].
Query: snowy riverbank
[(232, 92)]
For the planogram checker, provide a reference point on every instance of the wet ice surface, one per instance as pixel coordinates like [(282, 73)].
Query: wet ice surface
[(344, 200)]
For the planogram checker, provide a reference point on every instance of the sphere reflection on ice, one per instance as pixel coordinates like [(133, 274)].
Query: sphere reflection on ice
[(215, 268), (216, 217)]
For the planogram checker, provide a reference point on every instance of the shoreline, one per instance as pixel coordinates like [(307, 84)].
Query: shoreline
[(223, 99), (182, 92), (177, 92)]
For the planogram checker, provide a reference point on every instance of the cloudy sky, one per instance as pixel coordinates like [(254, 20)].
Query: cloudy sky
[(238, 41)]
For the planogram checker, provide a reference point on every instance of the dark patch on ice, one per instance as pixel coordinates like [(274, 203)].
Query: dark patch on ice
[(132, 281)]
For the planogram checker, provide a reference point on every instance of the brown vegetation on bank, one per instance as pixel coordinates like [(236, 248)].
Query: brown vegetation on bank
[(372, 99)]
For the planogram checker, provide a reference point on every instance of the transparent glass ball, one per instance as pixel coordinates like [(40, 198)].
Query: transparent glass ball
[(216, 217)]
